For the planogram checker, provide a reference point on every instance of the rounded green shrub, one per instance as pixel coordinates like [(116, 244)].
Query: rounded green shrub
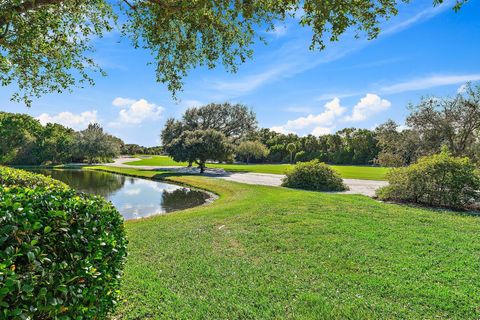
[(61, 253), (439, 180), (10, 177), (314, 175)]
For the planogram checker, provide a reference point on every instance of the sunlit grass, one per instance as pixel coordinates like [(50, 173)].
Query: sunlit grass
[(274, 253), (349, 172)]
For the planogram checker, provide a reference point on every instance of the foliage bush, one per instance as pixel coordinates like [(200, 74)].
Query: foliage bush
[(248, 150), (301, 156), (440, 180), (314, 175), (61, 253), (10, 177)]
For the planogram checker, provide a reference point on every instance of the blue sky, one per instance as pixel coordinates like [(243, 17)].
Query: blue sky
[(423, 51)]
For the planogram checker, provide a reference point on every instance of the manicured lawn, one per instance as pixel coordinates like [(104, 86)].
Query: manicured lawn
[(350, 172), (273, 253)]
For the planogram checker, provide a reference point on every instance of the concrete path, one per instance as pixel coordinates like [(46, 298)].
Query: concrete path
[(357, 186)]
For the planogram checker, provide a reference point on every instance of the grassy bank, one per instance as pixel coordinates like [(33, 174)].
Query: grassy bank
[(349, 172), (264, 253)]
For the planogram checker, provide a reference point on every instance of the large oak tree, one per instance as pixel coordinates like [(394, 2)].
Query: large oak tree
[(44, 44)]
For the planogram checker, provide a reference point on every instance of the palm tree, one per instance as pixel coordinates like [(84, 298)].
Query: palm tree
[(291, 148)]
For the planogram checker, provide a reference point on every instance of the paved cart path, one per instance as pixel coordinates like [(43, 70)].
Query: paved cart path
[(357, 186)]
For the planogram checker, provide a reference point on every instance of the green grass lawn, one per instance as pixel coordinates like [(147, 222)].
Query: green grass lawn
[(350, 172), (274, 253)]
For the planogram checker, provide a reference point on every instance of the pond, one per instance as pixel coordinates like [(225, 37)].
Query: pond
[(133, 197)]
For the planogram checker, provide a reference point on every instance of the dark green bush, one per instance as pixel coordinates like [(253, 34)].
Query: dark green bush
[(314, 175), (61, 253), (301, 156), (440, 180), (11, 177)]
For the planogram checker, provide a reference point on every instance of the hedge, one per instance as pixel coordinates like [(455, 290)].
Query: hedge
[(16, 177), (61, 253), (313, 175), (439, 180)]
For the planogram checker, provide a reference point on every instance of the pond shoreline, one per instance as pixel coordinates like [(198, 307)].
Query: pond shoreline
[(133, 198), (213, 195)]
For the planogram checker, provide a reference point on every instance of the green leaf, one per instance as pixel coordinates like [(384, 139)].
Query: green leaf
[(31, 256)]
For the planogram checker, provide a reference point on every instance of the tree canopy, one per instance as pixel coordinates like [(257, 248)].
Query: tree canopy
[(251, 149), (223, 123), (94, 143), (433, 123), (199, 146), (45, 44), (454, 122), (25, 141), (235, 121)]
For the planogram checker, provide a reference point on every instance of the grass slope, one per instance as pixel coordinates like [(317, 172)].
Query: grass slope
[(350, 172), (273, 253)]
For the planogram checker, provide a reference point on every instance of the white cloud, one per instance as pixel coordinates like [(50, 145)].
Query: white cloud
[(368, 106), (333, 114), (333, 109), (281, 129), (71, 120), (135, 112), (122, 102), (327, 118), (320, 131), (429, 82)]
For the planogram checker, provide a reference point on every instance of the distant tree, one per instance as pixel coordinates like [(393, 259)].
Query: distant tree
[(19, 134), (172, 141), (251, 149), (453, 122), (291, 147), (397, 147), (154, 150), (235, 121), (132, 148), (199, 146), (364, 146), (172, 130), (93, 143), (23, 140), (56, 144), (432, 124), (181, 35)]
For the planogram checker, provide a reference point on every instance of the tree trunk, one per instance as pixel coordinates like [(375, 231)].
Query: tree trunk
[(190, 163), (202, 166), (291, 157)]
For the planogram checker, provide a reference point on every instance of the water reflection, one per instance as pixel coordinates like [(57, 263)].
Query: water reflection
[(183, 198), (133, 197), (94, 182)]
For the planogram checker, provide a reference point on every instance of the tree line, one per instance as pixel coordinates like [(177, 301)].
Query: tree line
[(25, 141), (226, 132), (229, 132)]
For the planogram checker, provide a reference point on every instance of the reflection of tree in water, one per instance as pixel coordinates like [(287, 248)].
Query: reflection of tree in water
[(94, 182), (183, 198)]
